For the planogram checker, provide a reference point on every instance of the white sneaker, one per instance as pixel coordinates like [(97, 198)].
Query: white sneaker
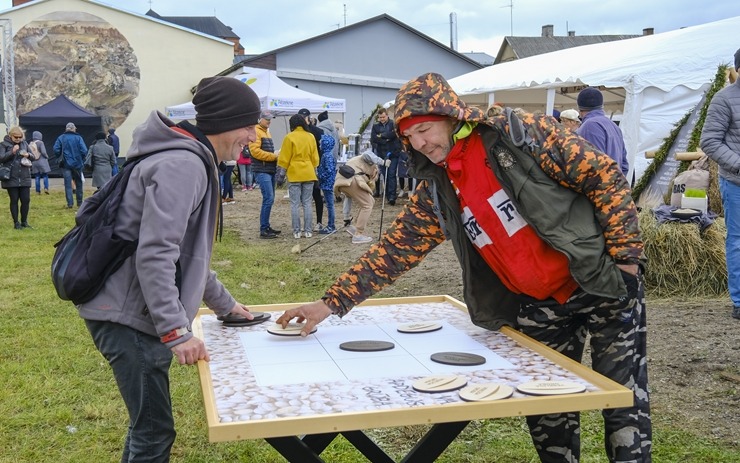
[(351, 229), (361, 239), (318, 227), (308, 234), (296, 235)]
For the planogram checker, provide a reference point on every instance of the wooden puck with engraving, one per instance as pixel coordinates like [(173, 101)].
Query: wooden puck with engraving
[(485, 392), (442, 383), (551, 387), (458, 358), (419, 327)]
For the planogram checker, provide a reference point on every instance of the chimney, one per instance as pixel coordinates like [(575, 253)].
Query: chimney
[(648, 31), (571, 33), (547, 30), (453, 31)]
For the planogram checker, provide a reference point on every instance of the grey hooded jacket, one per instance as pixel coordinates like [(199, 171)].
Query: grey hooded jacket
[(171, 206), (720, 137)]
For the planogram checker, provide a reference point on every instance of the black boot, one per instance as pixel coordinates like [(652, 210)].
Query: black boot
[(18, 226), (25, 225)]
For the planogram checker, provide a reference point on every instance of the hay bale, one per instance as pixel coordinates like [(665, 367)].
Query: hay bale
[(682, 261), (713, 194)]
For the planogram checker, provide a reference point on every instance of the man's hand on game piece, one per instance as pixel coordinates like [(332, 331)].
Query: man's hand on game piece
[(313, 314)]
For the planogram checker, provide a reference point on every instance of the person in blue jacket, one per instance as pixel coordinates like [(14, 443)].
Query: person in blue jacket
[(71, 150)]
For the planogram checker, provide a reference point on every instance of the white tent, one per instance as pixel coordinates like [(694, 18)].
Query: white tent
[(650, 82), (275, 95)]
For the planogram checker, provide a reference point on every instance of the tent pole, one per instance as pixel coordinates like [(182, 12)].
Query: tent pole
[(550, 101)]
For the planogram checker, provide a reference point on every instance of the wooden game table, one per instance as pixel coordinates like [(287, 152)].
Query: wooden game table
[(299, 394)]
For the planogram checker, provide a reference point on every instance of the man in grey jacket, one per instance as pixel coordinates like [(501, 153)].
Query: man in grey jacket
[(143, 314), (720, 140)]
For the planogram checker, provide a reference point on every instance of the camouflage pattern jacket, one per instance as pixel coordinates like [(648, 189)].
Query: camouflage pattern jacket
[(573, 196)]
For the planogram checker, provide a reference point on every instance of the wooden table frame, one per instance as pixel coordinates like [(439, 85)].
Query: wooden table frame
[(448, 420)]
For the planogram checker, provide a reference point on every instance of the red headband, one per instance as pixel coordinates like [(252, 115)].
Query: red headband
[(407, 122)]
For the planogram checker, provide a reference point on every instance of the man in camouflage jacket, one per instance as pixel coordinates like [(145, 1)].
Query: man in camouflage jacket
[(547, 236)]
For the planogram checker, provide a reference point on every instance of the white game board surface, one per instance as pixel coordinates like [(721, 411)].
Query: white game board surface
[(318, 357), (257, 376)]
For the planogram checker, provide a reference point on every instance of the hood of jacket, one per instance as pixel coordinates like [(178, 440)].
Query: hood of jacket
[(37, 135), (156, 134), (431, 94), (327, 125)]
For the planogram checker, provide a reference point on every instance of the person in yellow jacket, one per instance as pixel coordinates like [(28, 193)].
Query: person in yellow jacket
[(264, 167), (299, 156)]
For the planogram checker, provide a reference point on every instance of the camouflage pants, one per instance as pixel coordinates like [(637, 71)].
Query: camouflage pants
[(618, 351)]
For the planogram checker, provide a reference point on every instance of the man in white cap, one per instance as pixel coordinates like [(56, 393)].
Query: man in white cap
[(142, 316), (570, 120)]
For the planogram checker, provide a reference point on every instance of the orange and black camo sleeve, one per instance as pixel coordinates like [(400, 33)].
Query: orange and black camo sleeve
[(412, 235), (576, 164)]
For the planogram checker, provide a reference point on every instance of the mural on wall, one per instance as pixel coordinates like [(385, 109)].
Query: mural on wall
[(78, 55)]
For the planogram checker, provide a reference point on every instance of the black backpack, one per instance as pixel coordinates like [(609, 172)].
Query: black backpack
[(89, 253)]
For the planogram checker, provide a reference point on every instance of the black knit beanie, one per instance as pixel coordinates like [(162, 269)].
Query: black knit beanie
[(590, 98), (223, 104), (737, 59), (323, 116)]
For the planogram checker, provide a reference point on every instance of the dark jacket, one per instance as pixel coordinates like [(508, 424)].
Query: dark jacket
[(113, 140), (384, 139), (575, 198), (20, 176)]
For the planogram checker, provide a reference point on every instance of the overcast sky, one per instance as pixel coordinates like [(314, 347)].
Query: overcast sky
[(269, 24)]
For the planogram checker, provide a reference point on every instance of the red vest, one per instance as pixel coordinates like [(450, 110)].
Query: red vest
[(522, 260)]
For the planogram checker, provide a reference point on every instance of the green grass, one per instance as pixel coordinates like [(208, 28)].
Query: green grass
[(59, 403)]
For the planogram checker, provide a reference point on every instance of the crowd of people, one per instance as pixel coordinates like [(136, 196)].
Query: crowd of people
[(561, 274), (22, 161)]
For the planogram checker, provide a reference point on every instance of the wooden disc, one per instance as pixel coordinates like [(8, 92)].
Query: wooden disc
[(419, 327), (443, 383), (234, 321), (366, 346), (458, 358), (486, 392), (551, 387), (291, 329)]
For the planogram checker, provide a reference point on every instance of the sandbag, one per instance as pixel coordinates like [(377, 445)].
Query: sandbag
[(696, 176)]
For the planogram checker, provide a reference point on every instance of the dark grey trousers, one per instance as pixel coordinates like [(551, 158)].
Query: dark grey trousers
[(618, 351)]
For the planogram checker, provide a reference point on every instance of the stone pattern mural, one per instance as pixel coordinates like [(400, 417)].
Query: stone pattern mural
[(81, 56)]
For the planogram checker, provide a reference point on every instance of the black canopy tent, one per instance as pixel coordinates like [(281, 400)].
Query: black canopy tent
[(51, 119)]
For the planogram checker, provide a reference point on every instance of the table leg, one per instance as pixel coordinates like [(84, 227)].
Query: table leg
[(367, 447), (434, 442), (298, 450), (308, 449)]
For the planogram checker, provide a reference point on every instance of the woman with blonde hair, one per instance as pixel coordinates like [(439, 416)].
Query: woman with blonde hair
[(16, 161)]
